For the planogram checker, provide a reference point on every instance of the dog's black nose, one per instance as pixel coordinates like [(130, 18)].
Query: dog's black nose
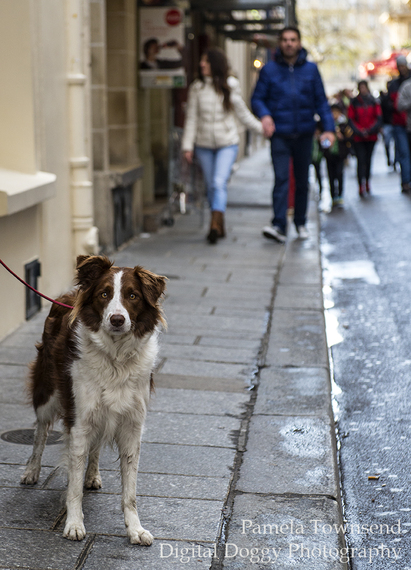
[(117, 321)]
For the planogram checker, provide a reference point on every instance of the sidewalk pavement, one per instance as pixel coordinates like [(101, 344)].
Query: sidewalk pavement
[(239, 451)]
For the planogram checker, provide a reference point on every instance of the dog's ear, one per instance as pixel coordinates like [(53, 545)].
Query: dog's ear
[(90, 268), (152, 285), (80, 259)]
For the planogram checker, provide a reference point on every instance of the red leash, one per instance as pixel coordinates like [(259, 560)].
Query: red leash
[(32, 288)]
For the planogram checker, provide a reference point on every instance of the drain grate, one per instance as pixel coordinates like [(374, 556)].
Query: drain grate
[(26, 437)]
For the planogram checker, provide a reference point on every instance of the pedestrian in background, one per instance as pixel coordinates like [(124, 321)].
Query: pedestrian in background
[(288, 93), (365, 119), (387, 127), (404, 104), (210, 132), (337, 153), (316, 157), (399, 122)]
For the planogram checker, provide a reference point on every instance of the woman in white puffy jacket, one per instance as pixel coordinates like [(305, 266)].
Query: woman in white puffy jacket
[(214, 103)]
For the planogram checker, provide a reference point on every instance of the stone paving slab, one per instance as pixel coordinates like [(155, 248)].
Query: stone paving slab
[(21, 339), (209, 301), (162, 458), (214, 276), (171, 339), (255, 335), (297, 339), (17, 355), (13, 391), (306, 250), (285, 532), (265, 258), (37, 549), (300, 447), (190, 429), (153, 485), (19, 454), (186, 460), (166, 518), (241, 311), (216, 323), (34, 327), (299, 297), (15, 416), (186, 291), (114, 553), (215, 369), (28, 507), (293, 391), (180, 457), (208, 353), (203, 383), (228, 307), (298, 273), (205, 403), (229, 342), (10, 475), (19, 372)]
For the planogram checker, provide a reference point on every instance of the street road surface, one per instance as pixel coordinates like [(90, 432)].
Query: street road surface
[(367, 270)]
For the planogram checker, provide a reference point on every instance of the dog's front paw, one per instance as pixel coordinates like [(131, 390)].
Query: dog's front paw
[(74, 531), (30, 476), (141, 537), (94, 482)]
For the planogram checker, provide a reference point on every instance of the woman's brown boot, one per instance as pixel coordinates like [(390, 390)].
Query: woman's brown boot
[(221, 225), (214, 232)]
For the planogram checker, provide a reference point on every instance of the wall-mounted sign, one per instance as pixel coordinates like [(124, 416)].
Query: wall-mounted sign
[(162, 47)]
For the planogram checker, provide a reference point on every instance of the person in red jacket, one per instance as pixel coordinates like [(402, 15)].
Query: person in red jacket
[(365, 119)]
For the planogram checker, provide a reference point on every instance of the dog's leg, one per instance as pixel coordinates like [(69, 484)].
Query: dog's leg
[(33, 467), (77, 454), (128, 441), (93, 478)]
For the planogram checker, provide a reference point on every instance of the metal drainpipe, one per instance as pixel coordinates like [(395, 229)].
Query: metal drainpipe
[(85, 234), (288, 16)]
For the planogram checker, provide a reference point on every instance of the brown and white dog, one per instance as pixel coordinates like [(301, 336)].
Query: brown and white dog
[(94, 371)]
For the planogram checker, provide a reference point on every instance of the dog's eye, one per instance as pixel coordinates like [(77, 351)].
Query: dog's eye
[(104, 295), (132, 296)]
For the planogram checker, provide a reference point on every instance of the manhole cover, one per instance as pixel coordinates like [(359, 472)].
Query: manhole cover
[(26, 437)]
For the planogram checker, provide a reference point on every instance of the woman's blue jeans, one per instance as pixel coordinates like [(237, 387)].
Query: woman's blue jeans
[(216, 164)]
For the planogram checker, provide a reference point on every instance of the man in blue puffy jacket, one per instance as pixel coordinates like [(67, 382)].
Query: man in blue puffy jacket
[(288, 94)]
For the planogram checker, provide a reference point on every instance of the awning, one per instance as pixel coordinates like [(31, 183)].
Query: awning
[(246, 19), (237, 4)]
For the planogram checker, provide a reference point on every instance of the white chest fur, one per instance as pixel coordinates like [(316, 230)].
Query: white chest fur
[(111, 378)]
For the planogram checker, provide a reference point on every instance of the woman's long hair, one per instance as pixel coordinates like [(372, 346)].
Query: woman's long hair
[(219, 74)]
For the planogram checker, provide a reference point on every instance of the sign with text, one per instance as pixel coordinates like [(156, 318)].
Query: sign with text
[(162, 47)]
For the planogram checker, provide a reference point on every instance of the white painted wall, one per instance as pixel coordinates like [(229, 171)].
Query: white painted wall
[(33, 47)]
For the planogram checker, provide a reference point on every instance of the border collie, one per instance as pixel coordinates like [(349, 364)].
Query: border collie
[(94, 371)]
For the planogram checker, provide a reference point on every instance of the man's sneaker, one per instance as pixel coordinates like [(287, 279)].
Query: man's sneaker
[(338, 202), (275, 233), (302, 232)]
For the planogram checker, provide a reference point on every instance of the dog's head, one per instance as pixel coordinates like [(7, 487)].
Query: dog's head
[(118, 300)]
